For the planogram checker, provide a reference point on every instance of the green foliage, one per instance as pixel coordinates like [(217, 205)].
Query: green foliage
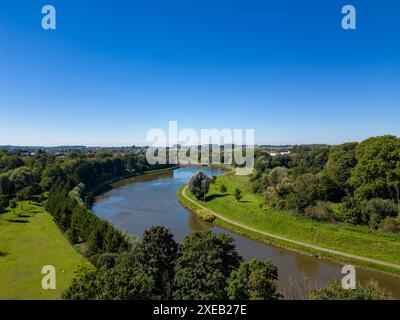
[(205, 215), (254, 280), (3, 202), (6, 186), (199, 185), (237, 194), (322, 211), (304, 192), (390, 224), (375, 210), (204, 265), (156, 255), (223, 189), (335, 291), (377, 173)]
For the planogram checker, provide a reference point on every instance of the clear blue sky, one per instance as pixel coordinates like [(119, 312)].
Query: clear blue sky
[(115, 69)]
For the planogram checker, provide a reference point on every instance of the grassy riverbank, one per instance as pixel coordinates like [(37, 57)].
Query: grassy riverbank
[(29, 240), (251, 211)]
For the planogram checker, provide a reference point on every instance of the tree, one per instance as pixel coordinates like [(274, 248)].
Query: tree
[(50, 175), (156, 254), (204, 265), (199, 185), (377, 173), (342, 159), (304, 192), (6, 187), (124, 283), (276, 176), (254, 280), (335, 291), (121, 282), (237, 194), (223, 189), (3, 202)]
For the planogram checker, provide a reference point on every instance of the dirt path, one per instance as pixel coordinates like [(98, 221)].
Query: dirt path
[(307, 245)]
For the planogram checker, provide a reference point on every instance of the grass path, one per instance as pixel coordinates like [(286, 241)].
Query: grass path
[(296, 242), (29, 240)]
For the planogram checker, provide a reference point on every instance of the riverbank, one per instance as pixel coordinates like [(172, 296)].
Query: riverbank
[(339, 242), (106, 185), (29, 240)]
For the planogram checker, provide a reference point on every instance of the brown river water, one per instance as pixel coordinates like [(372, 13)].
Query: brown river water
[(138, 203)]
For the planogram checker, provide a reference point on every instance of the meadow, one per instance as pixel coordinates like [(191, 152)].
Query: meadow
[(29, 240)]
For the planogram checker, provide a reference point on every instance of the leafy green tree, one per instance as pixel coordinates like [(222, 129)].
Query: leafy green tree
[(377, 173), (120, 282), (276, 176), (223, 189), (254, 280), (206, 260), (6, 187), (237, 194), (375, 210), (199, 185), (335, 291), (304, 192), (50, 175), (124, 283), (156, 254)]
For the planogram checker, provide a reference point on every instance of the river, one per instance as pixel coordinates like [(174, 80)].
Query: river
[(136, 204)]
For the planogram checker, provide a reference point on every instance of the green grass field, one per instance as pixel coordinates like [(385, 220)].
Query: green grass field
[(29, 239), (252, 212)]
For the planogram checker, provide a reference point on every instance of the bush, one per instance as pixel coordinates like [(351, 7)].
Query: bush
[(335, 291), (223, 189), (13, 203), (375, 210), (322, 211), (3, 202), (390, 225), (237, 194), (206, 215)]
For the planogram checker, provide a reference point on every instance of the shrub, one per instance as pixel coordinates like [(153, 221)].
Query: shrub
[(3, 202), (206, 215), (237, 194), (390, 225), (223, 189), (322, 211), (375, 210), (335, 291)]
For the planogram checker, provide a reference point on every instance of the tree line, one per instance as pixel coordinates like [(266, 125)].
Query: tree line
[(357, 183)]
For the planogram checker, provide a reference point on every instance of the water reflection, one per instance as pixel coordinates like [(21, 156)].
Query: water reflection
[(138, 203)]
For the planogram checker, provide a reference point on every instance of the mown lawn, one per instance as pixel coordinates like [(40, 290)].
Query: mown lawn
[(29, 239), (252, 211)]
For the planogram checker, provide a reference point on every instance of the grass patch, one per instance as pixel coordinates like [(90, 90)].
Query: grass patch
[(29, 240), (252, 211)]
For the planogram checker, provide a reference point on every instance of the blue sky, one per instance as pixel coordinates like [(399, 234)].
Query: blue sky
[(112, 70)]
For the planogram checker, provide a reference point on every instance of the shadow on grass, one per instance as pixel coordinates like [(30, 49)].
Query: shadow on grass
[(214, 196), (17, 220), (3, 254)]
